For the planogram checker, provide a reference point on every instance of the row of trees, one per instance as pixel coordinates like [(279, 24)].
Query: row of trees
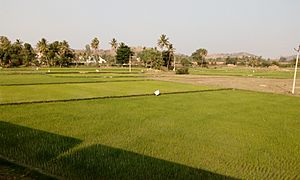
[(54, 54), (50, 54), (59, 53), (16, 53)]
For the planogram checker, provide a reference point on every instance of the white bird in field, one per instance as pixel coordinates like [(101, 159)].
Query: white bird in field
[(97, 70), (157, 93)]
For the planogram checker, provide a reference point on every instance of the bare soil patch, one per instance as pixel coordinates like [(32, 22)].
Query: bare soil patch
[(279, 86)]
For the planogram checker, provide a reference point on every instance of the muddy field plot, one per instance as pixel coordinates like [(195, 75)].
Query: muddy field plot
[(281, 86)]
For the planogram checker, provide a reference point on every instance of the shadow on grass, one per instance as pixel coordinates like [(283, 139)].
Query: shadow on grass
[(32, 147), (44, 150), (99, 161), (9, 170)]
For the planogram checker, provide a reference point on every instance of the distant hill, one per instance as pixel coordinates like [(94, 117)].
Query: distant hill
[(290, 58), (225, 55)]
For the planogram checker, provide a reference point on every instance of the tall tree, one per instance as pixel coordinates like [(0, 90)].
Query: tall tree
[(87, 52), (16, 54), (199, 56), (5, 50), (151, 57), (170, 50), (65, 54), (163, 42), (114, 44), (42, 47), (52, 53), (28, 54), (95, 45), (123, 54), (59, 53)]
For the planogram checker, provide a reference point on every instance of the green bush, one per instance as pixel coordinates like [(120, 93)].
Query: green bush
[(182, 70)]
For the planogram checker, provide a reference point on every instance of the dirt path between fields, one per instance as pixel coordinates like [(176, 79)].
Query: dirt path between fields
[(280, 86)]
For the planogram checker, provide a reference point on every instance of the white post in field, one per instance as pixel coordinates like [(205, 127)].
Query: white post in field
[(296, 66)]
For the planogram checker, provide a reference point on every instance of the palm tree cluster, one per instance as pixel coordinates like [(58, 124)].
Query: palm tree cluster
[(15, 54), (199, 56), (59, 53), (168, 54), (54, 54)]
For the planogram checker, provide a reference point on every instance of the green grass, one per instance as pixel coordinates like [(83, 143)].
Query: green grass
[(79, 69), (245, 72), (88, 90), (207, 135), (59, 78), (185, 136)]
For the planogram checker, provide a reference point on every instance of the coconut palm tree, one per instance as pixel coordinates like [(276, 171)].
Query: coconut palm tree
[(95, 45), (65, 53), (163, 41), (42, 48), (114, 44), (202, 54), (171, 50)]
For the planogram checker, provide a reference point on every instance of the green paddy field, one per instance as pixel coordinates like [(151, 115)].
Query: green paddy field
[(111, 126)]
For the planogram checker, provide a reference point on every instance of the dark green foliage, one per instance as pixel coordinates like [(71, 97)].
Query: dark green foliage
[(199, 56), (167, 58), (56, 53), (231, 60), (15, 54), (151, 58), (276, 63), (123, 54), (185, 62), (42, 48), (52, 53), (65, 54), (182, 70), (28, 54), (266, 63), (5, 52)]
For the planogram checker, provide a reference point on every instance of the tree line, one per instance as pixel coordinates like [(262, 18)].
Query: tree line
[(59, 53), (13, 54)]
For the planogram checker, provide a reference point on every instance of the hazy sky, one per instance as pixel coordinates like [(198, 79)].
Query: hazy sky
[(270, 28)]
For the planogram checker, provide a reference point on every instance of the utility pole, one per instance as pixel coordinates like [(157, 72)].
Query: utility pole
[(129, 63), (174, 69), (296, 66)]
